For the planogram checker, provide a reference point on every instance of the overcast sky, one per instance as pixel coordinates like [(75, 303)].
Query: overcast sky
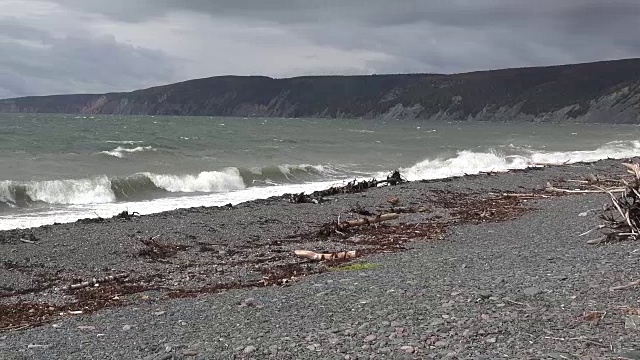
[(78, 46)]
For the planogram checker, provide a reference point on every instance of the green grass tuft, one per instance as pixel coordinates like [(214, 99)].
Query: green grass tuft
[(355, 267)]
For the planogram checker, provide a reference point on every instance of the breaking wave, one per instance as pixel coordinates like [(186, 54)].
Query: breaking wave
[(146, 186), (470, 162)]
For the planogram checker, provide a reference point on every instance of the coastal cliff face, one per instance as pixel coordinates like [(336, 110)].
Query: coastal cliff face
[(602, 92)]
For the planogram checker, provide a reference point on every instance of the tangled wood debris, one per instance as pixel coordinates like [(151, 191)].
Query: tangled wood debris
[(339, 226), (351, 187), (622, 216), (156, 250)]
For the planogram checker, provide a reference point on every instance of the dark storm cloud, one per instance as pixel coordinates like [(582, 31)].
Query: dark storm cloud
[(364, 36), (377, 12), (538, 21)]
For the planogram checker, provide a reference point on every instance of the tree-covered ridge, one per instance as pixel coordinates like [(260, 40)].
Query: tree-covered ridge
[(578, 89)]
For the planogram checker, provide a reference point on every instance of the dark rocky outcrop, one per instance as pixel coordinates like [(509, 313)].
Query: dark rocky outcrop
[(604, 92)]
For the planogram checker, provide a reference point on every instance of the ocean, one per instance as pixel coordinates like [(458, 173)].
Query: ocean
[(61, 168)]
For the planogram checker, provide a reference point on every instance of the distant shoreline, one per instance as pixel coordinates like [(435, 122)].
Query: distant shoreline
[(598, 92)]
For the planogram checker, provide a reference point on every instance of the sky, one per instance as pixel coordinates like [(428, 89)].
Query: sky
[(95, 46)]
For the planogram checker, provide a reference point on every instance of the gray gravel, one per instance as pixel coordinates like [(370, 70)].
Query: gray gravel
[(515, 289)]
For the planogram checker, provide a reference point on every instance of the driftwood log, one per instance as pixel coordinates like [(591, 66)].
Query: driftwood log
[(326, 256), (552, 189)]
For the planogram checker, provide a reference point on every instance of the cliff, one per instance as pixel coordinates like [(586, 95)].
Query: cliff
[(603, 92)]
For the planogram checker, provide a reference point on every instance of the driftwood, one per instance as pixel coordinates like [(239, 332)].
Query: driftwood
[(338, 226), (126, 215), (95, 281), (326, 256), (626, 286), (622, 217), (553, 189), (351, 187)]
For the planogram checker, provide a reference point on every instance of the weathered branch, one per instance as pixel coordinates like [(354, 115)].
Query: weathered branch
[(626, 286), (553, 189)]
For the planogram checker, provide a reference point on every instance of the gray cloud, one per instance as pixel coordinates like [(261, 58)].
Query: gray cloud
[(36, 62), (295, 37)]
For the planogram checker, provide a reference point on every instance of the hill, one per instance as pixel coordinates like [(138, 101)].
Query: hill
[(604, 92)]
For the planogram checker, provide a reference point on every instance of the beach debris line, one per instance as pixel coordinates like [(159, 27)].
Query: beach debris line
[(351, 187), (339, 226), (96, 281), (156, 250)]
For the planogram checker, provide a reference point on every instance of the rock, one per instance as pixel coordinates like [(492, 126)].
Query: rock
[(484, 295), (629, 355), (370, 338), (158, 313), (189, 353), (491, 340), (441, 343), (251, 302), (249, 349), (408, 349), (532, 291), (127, 327), (632, 322), (86, 327)]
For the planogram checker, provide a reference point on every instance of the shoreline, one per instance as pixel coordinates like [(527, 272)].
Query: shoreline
[(206, 254)]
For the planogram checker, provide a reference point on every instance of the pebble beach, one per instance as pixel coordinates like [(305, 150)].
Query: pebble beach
[(467, 271)]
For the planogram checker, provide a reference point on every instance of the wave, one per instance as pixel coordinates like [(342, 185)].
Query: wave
[(120, 151), (514, 157), (124, 142), (146, 185), (288, 174)]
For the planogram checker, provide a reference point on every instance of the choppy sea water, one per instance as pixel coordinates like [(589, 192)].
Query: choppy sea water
[(60, 168)]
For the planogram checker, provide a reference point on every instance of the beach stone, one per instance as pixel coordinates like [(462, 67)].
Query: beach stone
[(408, 349), (251, 302), (532, 291), (632, 322), (630, 355), (484, 295), (249, 349), (127, 327), (370, 338)]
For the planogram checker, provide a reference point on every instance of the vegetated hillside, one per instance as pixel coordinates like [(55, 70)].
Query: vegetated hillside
[(607, 92)]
